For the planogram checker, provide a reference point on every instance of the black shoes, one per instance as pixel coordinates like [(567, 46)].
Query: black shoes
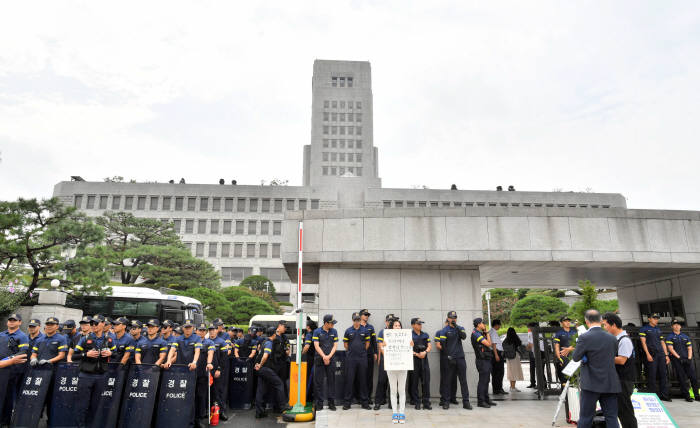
[(665, 398), (427, 406), (319, 406), (417, 406), (491, 403), (370, 401), (346, 407), (482, 404), (260, 415), (689, 400), (467, 406), (223, 416), (501, 392), (331, 406), (366, 407), (454, 401), (532, 386), (377, 406), (445, 406)]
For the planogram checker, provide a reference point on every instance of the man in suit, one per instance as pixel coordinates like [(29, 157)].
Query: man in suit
[(599, 380)]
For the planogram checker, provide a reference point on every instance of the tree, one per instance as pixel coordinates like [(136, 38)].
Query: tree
[(232, 304), (589, 300), (248, 306), (38, 235), (259, 283), (538, 308), (502, 301), (522, 292), (151, 250)]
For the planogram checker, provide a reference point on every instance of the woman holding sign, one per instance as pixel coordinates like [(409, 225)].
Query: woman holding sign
[(397, 351)]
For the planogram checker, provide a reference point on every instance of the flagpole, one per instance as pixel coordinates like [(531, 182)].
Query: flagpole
[(299, 406)]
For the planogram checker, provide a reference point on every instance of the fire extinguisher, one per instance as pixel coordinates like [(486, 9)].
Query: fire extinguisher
[(214, 418)]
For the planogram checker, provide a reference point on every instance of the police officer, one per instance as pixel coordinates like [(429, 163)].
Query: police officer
[(8, 359), (96, 348), (122, 341), (50, 349), (17, 342), (207, 363), (680, 349), (309, 353), (356, 342), (421, 368), (451, 338), (563, 345), (325, 341), (244, 348), (221, 340), (655, 357), (382, 379), (185, 350), (69, 332), (135, 329), (444, 372), (371, 352), (152, 349), (84, 330), (35, 334), (482, 354), (266, 366)]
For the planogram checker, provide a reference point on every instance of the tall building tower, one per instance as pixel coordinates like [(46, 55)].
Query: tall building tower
[(342, 149)]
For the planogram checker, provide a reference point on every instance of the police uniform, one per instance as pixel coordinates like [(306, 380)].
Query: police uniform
[(34, 340), (451, 338), (421, 368), (137, 340), (444, 374), (482, 356), (91, 375), (122, 344), (45, 349), (683, 367), (371, 352), (185, 346), (202, 385), (564, 339), (357, 341), (150, 350), (16, 342), (324, 375), (222, 358), (310, 356), (268, 378), (657, 367)]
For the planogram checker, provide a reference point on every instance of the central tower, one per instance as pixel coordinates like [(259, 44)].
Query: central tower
[(342, 147)]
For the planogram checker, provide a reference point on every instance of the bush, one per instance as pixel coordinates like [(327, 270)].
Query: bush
[(538, 308), (232, 304)]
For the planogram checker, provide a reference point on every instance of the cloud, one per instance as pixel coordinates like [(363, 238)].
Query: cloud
[(546, 95)]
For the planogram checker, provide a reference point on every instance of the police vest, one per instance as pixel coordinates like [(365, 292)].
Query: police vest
[(481, 351), (626, 371), (244, 346), (95, 365)]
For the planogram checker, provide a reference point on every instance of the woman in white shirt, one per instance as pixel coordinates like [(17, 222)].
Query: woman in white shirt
[(397, 385)]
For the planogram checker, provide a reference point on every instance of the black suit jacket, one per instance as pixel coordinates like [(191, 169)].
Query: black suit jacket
[(598, 374)]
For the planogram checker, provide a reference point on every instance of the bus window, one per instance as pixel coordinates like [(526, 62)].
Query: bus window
[(174, 315), (96, 306), (133, 308)]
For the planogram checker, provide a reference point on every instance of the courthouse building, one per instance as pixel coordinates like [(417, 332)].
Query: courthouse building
[(368, 246)]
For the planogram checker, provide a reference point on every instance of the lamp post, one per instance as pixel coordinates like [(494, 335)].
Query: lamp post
[(488, 306), (55, 283)]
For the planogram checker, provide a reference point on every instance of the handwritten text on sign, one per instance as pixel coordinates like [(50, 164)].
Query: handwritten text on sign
[(398, 353)]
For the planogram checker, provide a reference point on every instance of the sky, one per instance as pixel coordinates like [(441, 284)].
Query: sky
[(579, 96)]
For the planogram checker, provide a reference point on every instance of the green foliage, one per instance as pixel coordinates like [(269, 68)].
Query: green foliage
[(502, 301), (522, 292), (12, 295), (35, 238), (537, 308), (248, 306), (259, 283), (607, 306), (153, 252), (590, 300), (232, 304)]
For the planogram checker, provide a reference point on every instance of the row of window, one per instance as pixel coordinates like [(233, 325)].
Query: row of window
[(357, 105), (342, 117), (342, 130), (410, 204), (226, 227), (249, 250), (340, 170), (340, 81), (342, 144), (239, 273), (191, 203), (342, 157)]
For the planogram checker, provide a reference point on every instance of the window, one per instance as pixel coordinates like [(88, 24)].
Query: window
[(264, 227), (250, 251), (128, 202), (237, 250), (290, 204), (342, 85), (90, 202), (411, 204), (263, 250), (334, 104), (434, 204), (201, 226), (325, 129), (191, 201), (132, 308), (117, 200), (212, 249), (274, 274), (358, 117), (253, 207), (351, 130), (358, 171), (350, 104), (334, 171), (240, 207), (358, 105), (358, 144), (341, 157), (227, 227), (216, 204), (334, 157), (78, 201), (326, 103), (350, 143), (235, 273), (334, 130), (214, 227), (358, 130), (421, 203), (358, 157), (341, 170), (350, 117), (266, 205), (334, 82), (326, 116), (342, 144), (166, 203), (342, 115), (278, 205), (668, 308), (225, 249), (398, 204), (342, 132), (204, 204), (349, 82), (240, 225), (325, 156), (141, 203), (252, 227), (199, 252), (334, 144), (189, 226), (228, 205), (302, 203), (178, 203), (314, 204), (276, 227), (103, 202), (351, 157), (351, 169), (276, 251), (177, 225), (324, 170), (325, 143), (153, 203), (188, 245), (387, 204)]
